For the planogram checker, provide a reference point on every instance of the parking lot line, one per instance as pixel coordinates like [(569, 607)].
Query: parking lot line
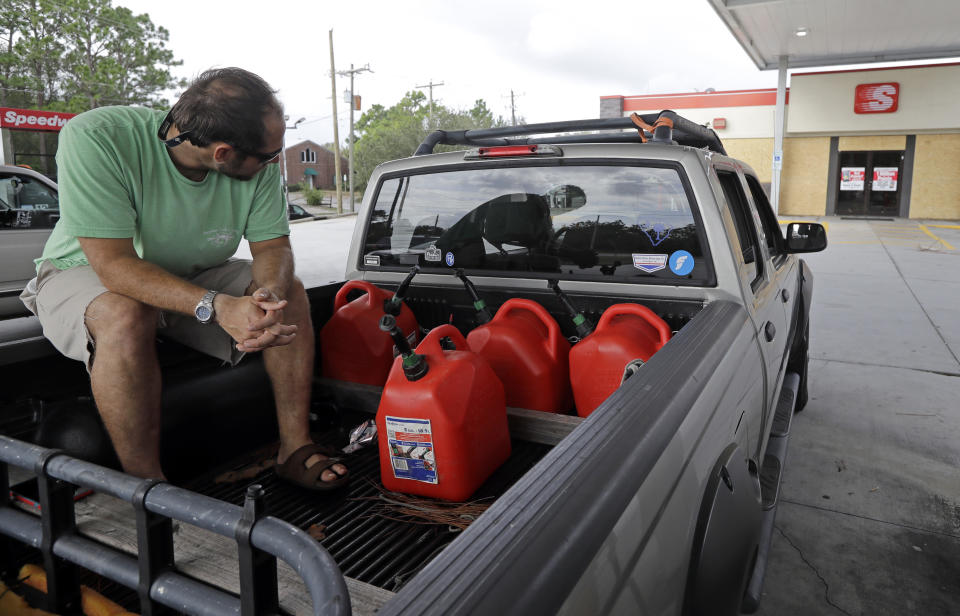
[(945, 226), (930, 233)]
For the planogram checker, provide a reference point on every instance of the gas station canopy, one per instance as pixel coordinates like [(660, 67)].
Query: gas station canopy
[(830, 32)]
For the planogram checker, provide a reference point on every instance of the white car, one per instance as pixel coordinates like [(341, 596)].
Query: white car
[(29, 209)]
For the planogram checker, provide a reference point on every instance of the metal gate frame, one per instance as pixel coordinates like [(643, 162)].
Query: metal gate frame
[(162, 589)]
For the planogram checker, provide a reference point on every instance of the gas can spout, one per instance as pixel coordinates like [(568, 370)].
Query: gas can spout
[(393, 305), (414, 365), (483, 313), (582, 323)]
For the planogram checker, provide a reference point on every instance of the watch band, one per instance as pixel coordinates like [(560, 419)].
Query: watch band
[(204, 310)]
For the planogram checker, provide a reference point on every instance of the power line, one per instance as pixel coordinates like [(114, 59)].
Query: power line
[(326, 117)]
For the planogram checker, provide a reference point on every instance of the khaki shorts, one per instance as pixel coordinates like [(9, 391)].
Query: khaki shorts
[(60, 299)]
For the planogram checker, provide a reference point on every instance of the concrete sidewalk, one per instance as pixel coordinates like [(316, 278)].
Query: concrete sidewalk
[(297, 198), (870, 517)]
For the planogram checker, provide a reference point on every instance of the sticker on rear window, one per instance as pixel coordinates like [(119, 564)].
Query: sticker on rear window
[(656, 233), (371, 260), (649, 263), (410, 442), (681, 263), (433, 254), (450, 259)]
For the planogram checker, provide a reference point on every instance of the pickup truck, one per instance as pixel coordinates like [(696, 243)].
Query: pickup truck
[(661, 501)]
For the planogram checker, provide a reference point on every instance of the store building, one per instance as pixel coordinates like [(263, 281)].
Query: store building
[(29, 137), (874, 142)]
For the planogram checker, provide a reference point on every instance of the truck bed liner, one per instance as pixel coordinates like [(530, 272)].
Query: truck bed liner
[(367, 547)]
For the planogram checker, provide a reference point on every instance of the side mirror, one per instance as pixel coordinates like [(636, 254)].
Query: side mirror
[(806, 237)]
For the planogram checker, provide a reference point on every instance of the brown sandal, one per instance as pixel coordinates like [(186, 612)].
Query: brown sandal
[(295, 470)]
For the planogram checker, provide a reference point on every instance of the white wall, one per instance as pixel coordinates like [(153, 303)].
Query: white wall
[(742, 122), (929, 101)]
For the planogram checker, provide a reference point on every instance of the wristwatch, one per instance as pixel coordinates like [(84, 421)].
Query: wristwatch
[(204, 310)]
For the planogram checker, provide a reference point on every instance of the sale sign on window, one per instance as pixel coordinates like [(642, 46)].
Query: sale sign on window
[(876, 98), (885, 178), (851, 178)]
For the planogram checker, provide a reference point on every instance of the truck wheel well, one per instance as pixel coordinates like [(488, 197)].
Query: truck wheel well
[(726, 537)]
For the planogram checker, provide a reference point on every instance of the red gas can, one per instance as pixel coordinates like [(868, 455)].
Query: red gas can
[(352, 347), (527, 350), (442, 434), (626, 337)]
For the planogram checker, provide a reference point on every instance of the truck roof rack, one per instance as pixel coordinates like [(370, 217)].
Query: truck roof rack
[(663, 127)]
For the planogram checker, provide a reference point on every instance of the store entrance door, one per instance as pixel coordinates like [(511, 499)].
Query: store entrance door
[(870, 183)]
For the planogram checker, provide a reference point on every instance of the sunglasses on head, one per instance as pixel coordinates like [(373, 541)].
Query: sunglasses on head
[(187, 135), (175, 141)]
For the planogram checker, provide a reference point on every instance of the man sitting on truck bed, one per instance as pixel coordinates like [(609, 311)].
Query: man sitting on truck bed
[(153, 206)]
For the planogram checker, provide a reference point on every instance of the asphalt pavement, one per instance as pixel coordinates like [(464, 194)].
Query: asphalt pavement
[(869, 521)]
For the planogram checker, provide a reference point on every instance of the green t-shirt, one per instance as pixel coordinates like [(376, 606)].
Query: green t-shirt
[(117, 180)]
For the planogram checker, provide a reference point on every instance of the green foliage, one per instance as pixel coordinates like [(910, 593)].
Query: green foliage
[(74, 55), (314, 196), (390, 133)]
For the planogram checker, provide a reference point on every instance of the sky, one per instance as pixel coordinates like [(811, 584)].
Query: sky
[(559, 57)]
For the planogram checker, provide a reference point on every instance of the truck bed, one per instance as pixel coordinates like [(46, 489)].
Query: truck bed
[(377, 551)]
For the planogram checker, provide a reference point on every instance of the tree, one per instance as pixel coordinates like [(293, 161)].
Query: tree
[(386, 134), (12, 23), (39, 50), (115, 57), (75, 55), (390, 133)]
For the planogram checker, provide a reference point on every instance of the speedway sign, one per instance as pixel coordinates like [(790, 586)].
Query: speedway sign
[(32, 119)]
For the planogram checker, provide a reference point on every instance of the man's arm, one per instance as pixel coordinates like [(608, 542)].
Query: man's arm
[(122, 271), (273, 265)]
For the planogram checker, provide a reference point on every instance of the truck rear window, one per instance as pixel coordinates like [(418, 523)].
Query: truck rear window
[(574, 221)]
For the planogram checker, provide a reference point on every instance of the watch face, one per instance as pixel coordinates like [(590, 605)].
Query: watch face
[(203, 313)]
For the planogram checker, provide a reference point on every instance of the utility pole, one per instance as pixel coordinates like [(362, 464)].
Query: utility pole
[(353, 106), (430, 85), (336, 129), (283, 156), (513, 106)]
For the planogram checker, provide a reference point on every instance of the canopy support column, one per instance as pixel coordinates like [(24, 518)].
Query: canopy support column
[(778, 130)]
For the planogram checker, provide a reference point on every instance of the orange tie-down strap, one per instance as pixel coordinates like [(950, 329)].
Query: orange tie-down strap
[(643, 126)]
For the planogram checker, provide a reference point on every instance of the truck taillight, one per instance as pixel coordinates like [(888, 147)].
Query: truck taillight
[(505, 151)]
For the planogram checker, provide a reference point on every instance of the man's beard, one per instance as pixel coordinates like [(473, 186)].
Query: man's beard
[(232, 170)]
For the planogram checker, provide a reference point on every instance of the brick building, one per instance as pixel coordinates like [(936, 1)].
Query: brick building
[(313, 164)]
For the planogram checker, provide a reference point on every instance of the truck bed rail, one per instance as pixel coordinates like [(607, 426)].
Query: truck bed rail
[(260, 540)]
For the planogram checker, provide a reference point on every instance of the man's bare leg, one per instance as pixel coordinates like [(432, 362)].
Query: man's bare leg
[(290, 368), (125, 379)]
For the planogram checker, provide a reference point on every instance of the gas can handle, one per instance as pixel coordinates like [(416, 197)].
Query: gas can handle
[(554, 335), (350, 285), (431, 343), (638, 310)]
